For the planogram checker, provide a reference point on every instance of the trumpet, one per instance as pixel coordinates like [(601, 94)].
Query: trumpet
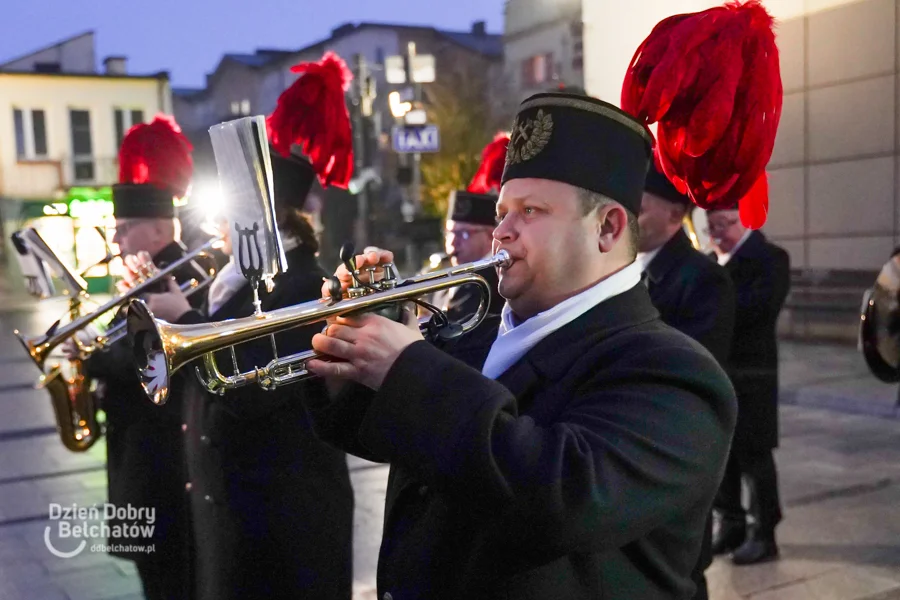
[(39, 347), (161, 348)]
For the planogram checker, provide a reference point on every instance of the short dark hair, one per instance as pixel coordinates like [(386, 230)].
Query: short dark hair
[(293, 221), (591, 201)]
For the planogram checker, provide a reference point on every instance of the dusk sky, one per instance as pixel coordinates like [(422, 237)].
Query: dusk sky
[(188, 37)]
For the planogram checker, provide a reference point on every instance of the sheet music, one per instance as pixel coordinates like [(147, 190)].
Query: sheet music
[(241, 149)]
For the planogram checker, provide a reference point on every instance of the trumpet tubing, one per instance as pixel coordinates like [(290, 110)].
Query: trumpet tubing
[(161, 348), (39, 347)]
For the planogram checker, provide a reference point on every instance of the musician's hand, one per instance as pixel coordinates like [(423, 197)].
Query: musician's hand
[(364, 347), (137, 268), (373, 257), (168, 306), (70, 349)]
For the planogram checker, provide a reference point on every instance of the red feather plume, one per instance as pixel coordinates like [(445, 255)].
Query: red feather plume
[(490, 172), (158, 154), (712, 82), (312, 114)]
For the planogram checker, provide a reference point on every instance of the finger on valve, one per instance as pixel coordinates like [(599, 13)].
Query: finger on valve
[(147, 268)]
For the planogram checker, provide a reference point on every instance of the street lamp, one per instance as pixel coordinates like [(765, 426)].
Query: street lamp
[(416, 69)]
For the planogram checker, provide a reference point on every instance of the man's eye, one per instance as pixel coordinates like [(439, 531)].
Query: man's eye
[(498, 219), (529, 210)]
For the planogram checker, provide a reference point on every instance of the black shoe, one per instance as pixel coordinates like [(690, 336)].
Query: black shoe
[(755, 551), (727, 536)]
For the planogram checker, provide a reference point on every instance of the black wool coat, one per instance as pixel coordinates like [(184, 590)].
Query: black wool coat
[(761, 275), (272, 504), (587, 470), (144, 448)]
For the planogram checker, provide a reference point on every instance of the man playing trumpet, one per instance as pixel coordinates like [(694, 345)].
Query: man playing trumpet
[(144, 450), (568, 448)]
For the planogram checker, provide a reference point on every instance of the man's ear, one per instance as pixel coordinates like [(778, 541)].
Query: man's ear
[(612, 223)]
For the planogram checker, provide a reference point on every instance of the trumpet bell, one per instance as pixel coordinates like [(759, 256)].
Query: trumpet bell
[(150, 352)]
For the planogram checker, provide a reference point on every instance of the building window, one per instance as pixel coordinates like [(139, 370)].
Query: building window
[(31, 134), (241, 108), (538, 70), (82, 149), (379, 56), (125, 119)]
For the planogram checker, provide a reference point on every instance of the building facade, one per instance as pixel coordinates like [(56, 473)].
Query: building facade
[(468, 64), (834, 177), (61, 124), (542, 45)]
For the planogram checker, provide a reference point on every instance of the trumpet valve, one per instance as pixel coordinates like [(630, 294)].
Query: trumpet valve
[(389, 280)]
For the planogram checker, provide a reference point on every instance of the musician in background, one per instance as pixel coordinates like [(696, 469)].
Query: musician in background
[(567, 448), (691, 291), (760, 271), (471, 217), (272, 504), (143, 441)]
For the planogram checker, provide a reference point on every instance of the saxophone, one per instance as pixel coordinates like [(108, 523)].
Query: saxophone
[(73, 402)]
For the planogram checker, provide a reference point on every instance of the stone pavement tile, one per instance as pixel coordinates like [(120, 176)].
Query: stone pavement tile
[(840, 584), (35, 591), (85, 560), (25, 409), (22, 571), (95, 480), (45, 454), (20, 374), (21, 499), (99, 583), (57, 489), (746, 581), (125, 567)]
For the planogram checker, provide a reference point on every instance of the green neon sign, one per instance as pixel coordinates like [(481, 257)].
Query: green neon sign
[(90, 203)]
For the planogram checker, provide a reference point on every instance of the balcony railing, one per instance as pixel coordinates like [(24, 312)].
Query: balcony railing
[(45, 178)]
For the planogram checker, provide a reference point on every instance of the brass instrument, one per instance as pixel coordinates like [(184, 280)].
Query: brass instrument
[(161, 349), (691, 230), (879, 324), (40, 346), (436, 262), (73, 402)]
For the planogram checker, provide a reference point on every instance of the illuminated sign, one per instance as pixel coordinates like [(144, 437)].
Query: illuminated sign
[(94, 204)]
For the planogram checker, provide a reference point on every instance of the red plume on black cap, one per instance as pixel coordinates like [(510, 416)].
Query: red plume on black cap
[(712, 82), (158, 154), (312, 114), (490, 172)]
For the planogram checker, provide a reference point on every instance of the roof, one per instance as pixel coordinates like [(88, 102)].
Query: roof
[(489, 44), (47, 47), (251, 60), (17, 73), (186, 91)]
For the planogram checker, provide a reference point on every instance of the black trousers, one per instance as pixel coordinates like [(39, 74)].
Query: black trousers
[(165, 579), (757, 468), (698, 575)]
